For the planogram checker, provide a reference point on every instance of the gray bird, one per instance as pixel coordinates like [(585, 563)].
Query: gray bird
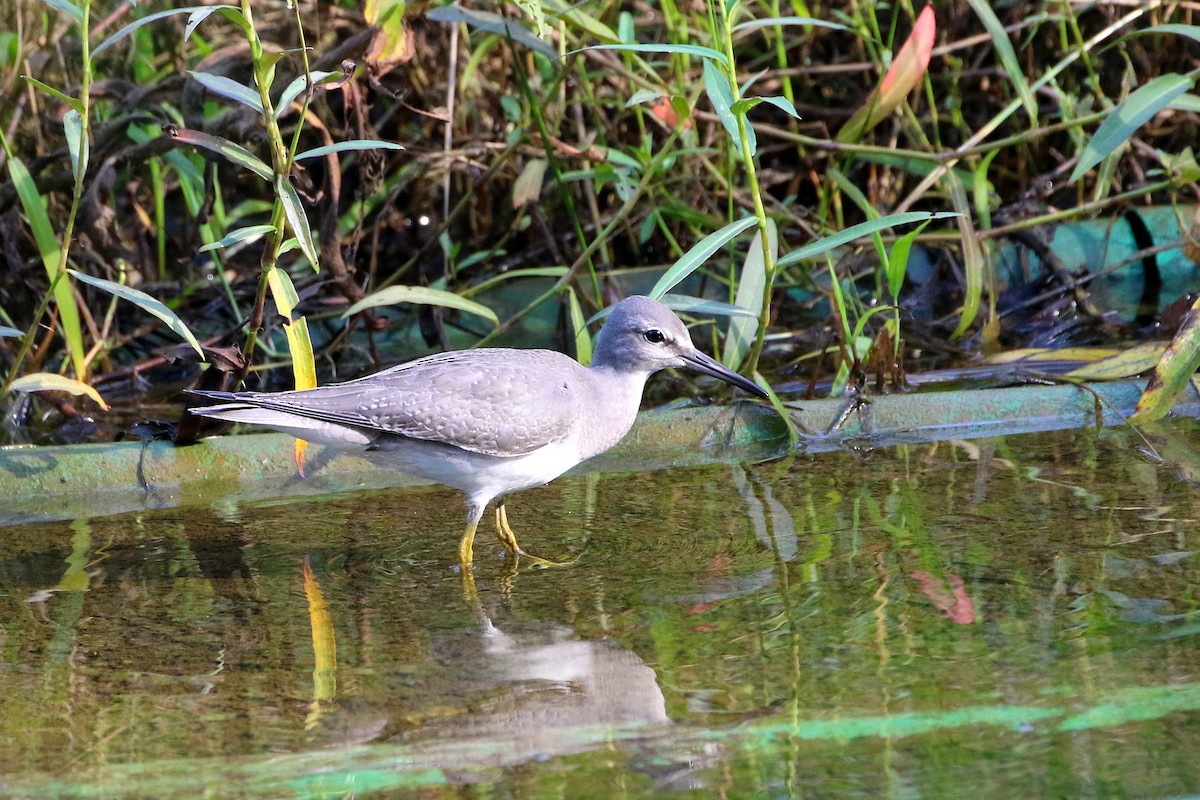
[(490, 421)]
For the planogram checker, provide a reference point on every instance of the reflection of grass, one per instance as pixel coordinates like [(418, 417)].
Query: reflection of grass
[(398, 766)]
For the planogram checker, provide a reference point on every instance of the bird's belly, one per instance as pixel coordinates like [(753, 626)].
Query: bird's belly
[(470, 472)]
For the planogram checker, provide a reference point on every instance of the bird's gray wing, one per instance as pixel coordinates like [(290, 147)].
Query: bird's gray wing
[(495, 401)]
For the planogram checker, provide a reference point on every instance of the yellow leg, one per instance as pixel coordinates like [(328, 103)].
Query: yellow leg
[(466, 545), (505, 533), (470, 593), (509, 539)]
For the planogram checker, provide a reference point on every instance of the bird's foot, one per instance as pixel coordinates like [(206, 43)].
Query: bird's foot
[(504, 533), (543, 563)]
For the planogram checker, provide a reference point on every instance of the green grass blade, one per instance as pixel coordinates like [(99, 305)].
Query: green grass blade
[(782, 103), (151, 305), (583, 339), (689, 49), (974, 261), (68, 8), (751, 284), (1129, 115), (716, 86), (299, 84), (48, 247), (1190, 31), (235, 153), (73, 102), (347, 146), (199, 13), (857, 231), (780, 22), (293, 209), (692, 259), (897, 264), (489, 22), (423, 295), (238, 235), (710, 308), (227, 87), (1007, 56)]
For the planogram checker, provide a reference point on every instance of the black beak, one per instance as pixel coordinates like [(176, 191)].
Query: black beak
[(710, 366)]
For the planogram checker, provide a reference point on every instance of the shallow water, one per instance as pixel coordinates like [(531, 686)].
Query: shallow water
[(1004, 617)]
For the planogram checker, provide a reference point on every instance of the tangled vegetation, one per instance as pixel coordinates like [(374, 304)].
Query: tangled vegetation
[(280, 186)]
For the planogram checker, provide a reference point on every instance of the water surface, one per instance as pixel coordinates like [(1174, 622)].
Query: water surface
[(1004, 617)]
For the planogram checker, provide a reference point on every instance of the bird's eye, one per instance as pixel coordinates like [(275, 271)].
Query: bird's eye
[(654, 336)]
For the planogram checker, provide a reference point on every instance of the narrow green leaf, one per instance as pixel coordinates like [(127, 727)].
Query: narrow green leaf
[(348, 145), (231, 13), (1007, 56), (716, 86), (688, 304), (583, 339), (293, 209), (897, 265), (1129, 115), (643, 96), (783, 104), (77, 144), (512, 274), (227, 87), (238, 235), (34, 206), (857, 231), (304, 365), (144, 301), (1173, 371), (974, 260), (35, 211), (850, 190), (744, 105), (216, 144), (283, 292), (1186, 102), (421, 295), (698, 305), (299, 84), (694, 258), (1190, 31), (52, 382), (491, 23), (73, 102), (751, 284), (68, 8), (198, 14), (572, 13), (689, 49), (779, 22)]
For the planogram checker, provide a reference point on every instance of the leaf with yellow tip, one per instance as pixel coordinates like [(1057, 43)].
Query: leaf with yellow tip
[(304, 371), (1121, 364), (52, 382), (1173, 371)]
